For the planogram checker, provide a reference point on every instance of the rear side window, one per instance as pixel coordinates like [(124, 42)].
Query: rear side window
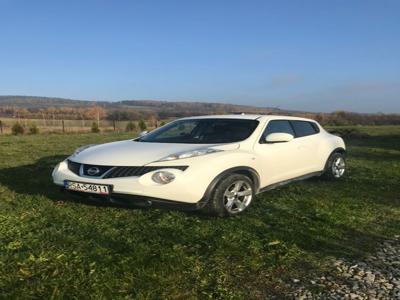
[(304, 128), (277, 126)]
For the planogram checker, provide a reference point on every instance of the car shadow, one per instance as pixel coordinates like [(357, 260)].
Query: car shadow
[(35, 180)]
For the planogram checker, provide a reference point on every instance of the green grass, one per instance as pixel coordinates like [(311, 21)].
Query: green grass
[(52, 246)]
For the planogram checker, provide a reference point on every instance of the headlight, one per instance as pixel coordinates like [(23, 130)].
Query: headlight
[(55, 169), (163, 177), (80, 149), (188, 154)]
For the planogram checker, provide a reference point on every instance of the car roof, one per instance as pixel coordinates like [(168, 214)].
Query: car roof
[(232, 116), (249, 117), (279, 117)]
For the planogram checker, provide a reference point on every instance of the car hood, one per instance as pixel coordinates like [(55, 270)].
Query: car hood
[(132, 153)]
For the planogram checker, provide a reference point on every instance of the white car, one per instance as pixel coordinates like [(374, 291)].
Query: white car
[(214, 163)]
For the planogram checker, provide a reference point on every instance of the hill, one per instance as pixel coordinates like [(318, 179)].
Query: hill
[(177, 108), (32, 107)]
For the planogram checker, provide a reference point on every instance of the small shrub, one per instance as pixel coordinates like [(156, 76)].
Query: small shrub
[(130, 126), (17, 128), (162, 123), (95, 127), (142, 125), (33, 129)]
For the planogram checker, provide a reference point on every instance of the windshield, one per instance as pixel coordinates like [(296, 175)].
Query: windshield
[(202, 131)]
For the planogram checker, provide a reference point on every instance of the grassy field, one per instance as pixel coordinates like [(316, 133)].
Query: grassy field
[(52, 246)]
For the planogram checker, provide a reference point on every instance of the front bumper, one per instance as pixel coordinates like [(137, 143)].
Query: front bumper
[(185, 189)]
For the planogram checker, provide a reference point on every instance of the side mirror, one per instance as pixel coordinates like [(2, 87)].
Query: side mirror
[(143, 133), (279, 137)]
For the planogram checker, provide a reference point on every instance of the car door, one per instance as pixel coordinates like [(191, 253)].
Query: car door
[(278, 161), (307, 140)]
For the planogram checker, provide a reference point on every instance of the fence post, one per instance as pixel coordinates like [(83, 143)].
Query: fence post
[(63, 126), (114, 124), (1, 127)]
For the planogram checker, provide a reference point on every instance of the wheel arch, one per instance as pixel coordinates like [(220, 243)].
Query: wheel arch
[(244, 170), (340, 150)]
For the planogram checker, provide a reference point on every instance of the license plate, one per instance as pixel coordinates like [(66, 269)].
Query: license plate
[(87, 187)]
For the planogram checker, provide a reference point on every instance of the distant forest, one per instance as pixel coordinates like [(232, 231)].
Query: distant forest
[(27, 107)]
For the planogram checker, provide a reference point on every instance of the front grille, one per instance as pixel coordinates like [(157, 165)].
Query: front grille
[(100, 170), (115, 172), (138, 171), (74, 167)]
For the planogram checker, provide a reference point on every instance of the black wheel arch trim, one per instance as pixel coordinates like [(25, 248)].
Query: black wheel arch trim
[(235, 170), (336, 150)]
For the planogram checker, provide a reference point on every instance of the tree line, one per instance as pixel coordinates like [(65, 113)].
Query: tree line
[(97, 113)]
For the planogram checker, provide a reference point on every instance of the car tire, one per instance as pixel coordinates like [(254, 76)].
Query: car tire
[(232, 196), (335, 166)]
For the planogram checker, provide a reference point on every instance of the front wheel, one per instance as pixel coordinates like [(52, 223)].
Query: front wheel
[(336, 166), (232, 196)]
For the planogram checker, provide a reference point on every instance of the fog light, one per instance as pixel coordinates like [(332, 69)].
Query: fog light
[(163, 177)]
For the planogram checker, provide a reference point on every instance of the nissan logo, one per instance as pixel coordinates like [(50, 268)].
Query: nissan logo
[(93, 171)]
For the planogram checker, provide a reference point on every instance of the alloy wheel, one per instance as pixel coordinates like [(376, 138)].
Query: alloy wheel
[(238, 196), (338, 167)]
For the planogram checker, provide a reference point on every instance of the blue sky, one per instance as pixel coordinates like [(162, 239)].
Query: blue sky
[(306, 55)]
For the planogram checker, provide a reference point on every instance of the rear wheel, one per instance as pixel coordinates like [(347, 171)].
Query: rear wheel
[(336, 166), (232, 196)]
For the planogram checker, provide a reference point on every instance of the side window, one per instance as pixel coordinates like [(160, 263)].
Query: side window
[(276, 126), (304, 128)]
